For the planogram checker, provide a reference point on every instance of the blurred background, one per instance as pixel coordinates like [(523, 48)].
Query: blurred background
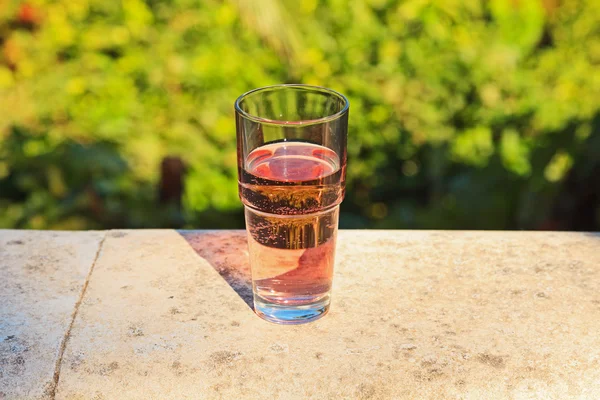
[(465, 114)]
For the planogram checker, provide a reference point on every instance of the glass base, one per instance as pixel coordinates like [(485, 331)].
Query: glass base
[(291, 314)]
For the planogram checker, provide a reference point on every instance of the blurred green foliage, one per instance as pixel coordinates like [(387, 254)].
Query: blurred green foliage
[(464, 114)]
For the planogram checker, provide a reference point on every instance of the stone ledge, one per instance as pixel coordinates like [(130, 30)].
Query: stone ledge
[(42, 275), (415, 314)]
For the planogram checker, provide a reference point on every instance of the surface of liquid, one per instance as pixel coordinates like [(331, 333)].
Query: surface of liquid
[(292, 162), (292, 190), (291, 178)]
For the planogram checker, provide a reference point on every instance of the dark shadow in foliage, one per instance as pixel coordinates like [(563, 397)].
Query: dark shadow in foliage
[(170, 187), (443, 194), (577, 205), (61, 181), (77, 181), (227, 253)]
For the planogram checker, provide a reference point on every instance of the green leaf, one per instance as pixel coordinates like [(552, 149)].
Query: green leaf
[(558, 166), (515, 153), (520, 22), (473, 146)]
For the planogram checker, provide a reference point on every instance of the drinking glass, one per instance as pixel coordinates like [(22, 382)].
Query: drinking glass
[(291, 148)]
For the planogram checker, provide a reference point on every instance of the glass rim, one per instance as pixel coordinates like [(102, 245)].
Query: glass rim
[(314, 88)]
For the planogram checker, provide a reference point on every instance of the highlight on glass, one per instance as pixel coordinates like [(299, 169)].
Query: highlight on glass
[(291, 148)]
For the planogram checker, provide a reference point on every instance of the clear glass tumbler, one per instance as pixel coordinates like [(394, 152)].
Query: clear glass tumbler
[(291, 168)]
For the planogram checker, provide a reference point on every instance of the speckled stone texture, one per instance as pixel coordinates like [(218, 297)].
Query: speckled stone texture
[(42, 275), (434, 315)]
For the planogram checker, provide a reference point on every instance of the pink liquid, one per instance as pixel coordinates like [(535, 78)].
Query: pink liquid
[(292, 190), (292, 162)]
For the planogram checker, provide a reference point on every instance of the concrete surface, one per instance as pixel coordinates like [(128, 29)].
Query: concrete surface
[(42, 275), (437, 315)]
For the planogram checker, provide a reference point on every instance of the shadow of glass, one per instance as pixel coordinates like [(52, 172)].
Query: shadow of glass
[(227, 253)]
